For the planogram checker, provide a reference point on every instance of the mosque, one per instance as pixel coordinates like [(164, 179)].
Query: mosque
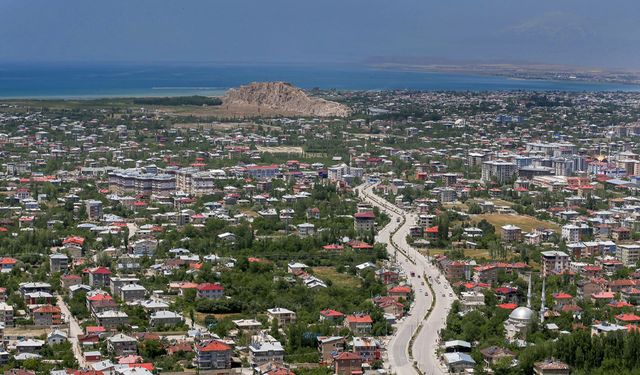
[(520, 319)]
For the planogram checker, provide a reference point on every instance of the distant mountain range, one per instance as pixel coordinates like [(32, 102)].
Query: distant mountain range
[(512, 69)]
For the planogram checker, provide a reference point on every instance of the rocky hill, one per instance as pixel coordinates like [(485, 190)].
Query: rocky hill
[(282, 96)]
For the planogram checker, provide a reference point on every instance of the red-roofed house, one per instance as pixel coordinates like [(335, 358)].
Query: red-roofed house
[(7, 264), (627, 318), (331, 316), (348, 363), (631, 295), (400, 291), (359, 324), (99, 276), (431, 233), (364, 221), (210, 290), (507, 306), (47, 316), (561, 299), (214, 355), (603, 297)]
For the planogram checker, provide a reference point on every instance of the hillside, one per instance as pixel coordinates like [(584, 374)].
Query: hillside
[(282, 96)]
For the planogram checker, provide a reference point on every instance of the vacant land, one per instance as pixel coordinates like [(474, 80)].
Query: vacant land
[(526, 223), (337, 278), (471, 253), (281, 150)]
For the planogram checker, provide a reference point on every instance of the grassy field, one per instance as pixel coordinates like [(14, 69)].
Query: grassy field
[(527, 223), (338, 279), (500, 202)]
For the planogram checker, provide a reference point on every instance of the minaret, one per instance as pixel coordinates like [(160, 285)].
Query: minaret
[(529, 293), (544, 279)]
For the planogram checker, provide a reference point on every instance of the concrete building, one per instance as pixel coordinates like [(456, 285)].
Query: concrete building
[(210, 290), (47, 316), (99, 277), (629, 254), (498, 170), (571, 233), (282, 315), (551, 367), (213, 355), (510, 233), (261, 352), (121, 344), (554, 262), (132, 292), (6, 314), (58, 263), (94, 209), (165, 318), (364, 221), (112, 319)]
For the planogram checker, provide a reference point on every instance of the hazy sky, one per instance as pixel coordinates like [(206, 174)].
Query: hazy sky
[(579, 32)]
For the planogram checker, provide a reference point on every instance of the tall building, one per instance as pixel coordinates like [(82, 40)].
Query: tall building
[(554, 262), (94, 209), (499, 170)]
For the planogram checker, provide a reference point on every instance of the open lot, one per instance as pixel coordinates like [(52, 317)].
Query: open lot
[(471, 253), (527, 223), (337, 278)]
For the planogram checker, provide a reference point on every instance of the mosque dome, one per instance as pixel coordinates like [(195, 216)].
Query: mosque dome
[(522, 314)]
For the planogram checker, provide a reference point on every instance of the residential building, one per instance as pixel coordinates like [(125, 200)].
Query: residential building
[(99, 277), (132, 292), (213, 355), (58, 263), (347, 363), (6, 314), (498, 170), (511, 233), (628, 254), (282, 315), (554, 262), (165, 318), (210, 291), (551, 367), (94, 209), (112, 319), (121, 344), (263, 350), (47, 316), (359, 324), (364, 221)]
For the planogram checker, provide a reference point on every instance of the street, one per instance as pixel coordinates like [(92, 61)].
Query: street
[(426, 342), (74, 331)]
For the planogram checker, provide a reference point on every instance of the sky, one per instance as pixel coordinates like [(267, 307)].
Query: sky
[(572, 32)]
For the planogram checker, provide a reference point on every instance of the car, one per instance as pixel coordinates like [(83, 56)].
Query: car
[(426, 294), (450, 294), (443, 295)]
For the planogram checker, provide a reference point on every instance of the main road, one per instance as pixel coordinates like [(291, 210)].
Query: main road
[(423, 332)]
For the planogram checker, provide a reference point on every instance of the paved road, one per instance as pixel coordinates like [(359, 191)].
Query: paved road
[(74, 331), (426, 342)]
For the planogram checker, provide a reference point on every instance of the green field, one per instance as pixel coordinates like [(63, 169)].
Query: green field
[(338, 279)]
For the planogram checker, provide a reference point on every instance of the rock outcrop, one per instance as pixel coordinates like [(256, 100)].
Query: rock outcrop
[(282, 96)]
